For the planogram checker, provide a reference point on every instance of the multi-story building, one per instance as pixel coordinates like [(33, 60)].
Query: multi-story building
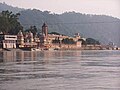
[(8, 41), (26, 40)]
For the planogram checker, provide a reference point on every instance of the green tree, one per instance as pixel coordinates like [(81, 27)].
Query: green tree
[(92, 41), (33, 29), (68, 41), (9, 23)]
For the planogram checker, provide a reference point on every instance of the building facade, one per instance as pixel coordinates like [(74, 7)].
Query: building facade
[(8, 41), (47, 39), (26, 40)]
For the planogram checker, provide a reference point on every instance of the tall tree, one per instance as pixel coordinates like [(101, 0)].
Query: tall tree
[(92, 41), (68, 41), (9, 23), (33, 29)]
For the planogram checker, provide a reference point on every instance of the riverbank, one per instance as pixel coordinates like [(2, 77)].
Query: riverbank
[(51, 49)]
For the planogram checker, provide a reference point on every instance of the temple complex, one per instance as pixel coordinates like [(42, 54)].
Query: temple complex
[(44, 40)]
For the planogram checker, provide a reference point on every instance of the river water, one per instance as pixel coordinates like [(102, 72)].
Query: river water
[(60, 70)]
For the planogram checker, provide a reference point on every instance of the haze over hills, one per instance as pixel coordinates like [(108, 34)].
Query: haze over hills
[(101, 27), (4, 6)]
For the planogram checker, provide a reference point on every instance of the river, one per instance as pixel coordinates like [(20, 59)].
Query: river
[(60, 70)]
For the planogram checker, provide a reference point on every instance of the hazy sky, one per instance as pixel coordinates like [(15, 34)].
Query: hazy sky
[(107, 7)]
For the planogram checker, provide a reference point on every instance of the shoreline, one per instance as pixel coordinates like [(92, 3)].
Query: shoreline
[(52, 49)]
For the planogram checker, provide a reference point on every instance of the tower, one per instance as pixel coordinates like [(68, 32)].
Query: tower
[(45, 30)]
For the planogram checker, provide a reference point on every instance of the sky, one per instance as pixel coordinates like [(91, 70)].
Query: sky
[(106, 7)]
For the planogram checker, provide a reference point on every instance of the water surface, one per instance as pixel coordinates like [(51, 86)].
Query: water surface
[(60, 70)]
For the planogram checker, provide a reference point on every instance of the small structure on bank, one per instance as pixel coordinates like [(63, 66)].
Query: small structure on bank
[(26, 40), (8, 41)]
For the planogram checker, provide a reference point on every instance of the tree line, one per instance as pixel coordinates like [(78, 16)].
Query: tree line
[(9, 23)]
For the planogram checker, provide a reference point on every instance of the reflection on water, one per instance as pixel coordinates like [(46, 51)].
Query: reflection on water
[(19, 56), (60, 70)]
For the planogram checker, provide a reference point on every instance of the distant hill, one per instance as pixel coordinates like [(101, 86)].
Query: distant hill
[(37, 18), (4, 6), (101, 27)]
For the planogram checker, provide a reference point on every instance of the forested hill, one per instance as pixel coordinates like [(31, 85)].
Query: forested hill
[(101, 27), (37, 18)]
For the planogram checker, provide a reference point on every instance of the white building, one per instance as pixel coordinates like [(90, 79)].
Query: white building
[(8, 41)]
